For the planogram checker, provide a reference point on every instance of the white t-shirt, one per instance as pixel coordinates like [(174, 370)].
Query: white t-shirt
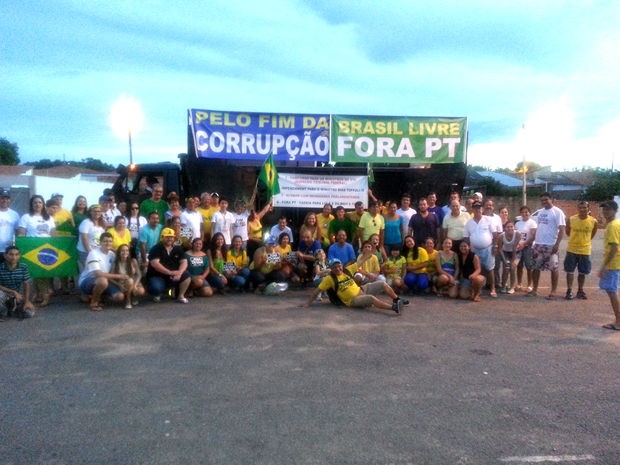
[(97, 261), (135, 225), (193, 219), (496, 221), (407, 214), (524, 227), (240, 225), (9, 220), (36, 226), (222, 222), (549, 220), (480, 233), (92, 231)]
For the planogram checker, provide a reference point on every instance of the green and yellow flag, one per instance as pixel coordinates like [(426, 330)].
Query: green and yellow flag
[(48, 257), (269, 176)]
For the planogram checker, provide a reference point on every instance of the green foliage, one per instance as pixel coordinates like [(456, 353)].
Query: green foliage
[(9, 152), (531, 166), (607, 185), (88, 163)]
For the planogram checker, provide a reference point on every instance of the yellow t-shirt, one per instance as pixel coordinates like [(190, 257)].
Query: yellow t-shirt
[(431, 269), (64, 223), (346, 288), (240, 260), (370, 265), (580, 239), (207, 214), (394, 267), (422, 259), (120, 240), (371, 225), (255, 230), (612, 236)]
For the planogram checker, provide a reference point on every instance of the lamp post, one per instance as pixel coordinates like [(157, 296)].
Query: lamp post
[(126, 118)]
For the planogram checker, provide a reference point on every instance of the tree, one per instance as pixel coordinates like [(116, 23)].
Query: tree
[(531, 166), (607, 185), (9, 152)]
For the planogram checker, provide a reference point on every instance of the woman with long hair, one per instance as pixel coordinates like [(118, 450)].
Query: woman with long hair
[(128, 266), (393, 238), (266, 266), (255, 229), (237, 271), (447, 265), (120, 233), (311, 224), (38, 223), (217, 257), (416, 278), (89, 231), (470, 275), (199, 269), (79, 210), (134, 222)]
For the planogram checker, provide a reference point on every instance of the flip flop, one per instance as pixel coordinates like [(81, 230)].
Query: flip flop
[(550, 297), (96, 307), (611, 326)]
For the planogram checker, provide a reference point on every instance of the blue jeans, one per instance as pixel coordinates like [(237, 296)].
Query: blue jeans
[(416, 281)]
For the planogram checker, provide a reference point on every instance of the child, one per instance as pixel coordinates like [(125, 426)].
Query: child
[(368, 268), (509, 240), (394, 270), (320, 270)]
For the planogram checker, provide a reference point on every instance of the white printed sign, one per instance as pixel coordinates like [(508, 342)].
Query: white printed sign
[(314, 191)]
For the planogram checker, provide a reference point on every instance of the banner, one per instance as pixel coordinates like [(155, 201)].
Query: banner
[(269, 176), (254, 136), (313, 191), (385, 139), (48, 257)]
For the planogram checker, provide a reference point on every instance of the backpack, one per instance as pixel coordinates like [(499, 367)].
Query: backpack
[(332, 293)]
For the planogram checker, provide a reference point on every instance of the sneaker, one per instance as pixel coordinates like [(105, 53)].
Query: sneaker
[(510, 291), (397, 306), (157, 299), (569, 294), (128, 307), (319, 298), (582, 295), (503, 290)]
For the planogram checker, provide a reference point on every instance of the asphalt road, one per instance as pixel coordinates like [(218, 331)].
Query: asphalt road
[(259, 380)]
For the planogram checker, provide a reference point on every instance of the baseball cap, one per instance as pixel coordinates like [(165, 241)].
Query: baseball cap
[(333, 261), (167, 232), (56, 195), (214, 194), (4, 192), (476, 204)]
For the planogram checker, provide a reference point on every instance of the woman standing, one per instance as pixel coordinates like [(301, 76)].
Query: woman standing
[(134, 222), (393, 238), (90, 229), (255, 229), (38, 223), (174, 206), (79, 210)]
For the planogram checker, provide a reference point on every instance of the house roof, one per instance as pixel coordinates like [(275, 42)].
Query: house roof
[(503, 179)]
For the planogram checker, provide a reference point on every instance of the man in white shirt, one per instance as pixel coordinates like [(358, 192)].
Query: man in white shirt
[(97, 278), (549, 234), (192, 218), (483, 236), (453, 225), (405, 211), (9, 219), (222, 222), (240, 223)]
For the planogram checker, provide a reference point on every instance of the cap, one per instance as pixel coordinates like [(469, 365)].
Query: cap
[(104, 198), (56, 195), (214, 194), (271, 240), (4, 192), (477, 195), (612, 205), (167, 232), (333, 261), (476, 204)]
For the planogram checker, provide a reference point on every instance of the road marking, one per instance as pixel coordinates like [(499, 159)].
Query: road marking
[(548, 458)]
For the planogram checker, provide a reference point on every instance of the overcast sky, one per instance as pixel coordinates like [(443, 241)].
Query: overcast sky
[(550, 66)]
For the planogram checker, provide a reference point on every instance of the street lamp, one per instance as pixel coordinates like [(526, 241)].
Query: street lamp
[(126, 118)]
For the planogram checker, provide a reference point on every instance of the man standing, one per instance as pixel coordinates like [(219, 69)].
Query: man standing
[(149, 237), (341, 222), (9, 220), (551, 225), (482, 236), (424, 224), (371, 223), (406, 212), (14, 286), (580, 229), (190, 218), (168, 268), (281, 227), (65, 226), (431, 200), (453, 225), (155, 204), (447, 208), (610, 270), (207, 209), (222, 222)]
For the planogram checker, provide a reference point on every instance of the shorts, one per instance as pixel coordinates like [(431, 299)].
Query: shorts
[(365, 300), (610, 280), (87, 285), (526, 258), (543, 259), (487, 259), (581, 262)]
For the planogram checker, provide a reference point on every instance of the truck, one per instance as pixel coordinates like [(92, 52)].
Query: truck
[(235, 178)]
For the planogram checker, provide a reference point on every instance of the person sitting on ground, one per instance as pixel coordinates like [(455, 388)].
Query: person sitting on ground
[(236, 266), (167, 268), (305, 255), (125, 265), (341, 249), (470, 275), (347, 291), (266, 266), (431, 269), (377, 248), (290, 261), (217, 256), (97, 279), (394, 270), (416, 278), (199, 269), (15, 286), (320, 267), (447, 265), (368, 268)]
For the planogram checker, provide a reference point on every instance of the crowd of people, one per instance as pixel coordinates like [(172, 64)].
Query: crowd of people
[(196, 247)]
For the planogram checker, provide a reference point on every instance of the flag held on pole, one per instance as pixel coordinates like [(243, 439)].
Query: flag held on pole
[(269, 176)]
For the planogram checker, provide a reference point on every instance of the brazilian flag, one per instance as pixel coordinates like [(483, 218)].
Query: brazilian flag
[(269, 176), (48, 257)]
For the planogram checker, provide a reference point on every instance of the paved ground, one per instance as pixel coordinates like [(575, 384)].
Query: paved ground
[(258, 380)]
